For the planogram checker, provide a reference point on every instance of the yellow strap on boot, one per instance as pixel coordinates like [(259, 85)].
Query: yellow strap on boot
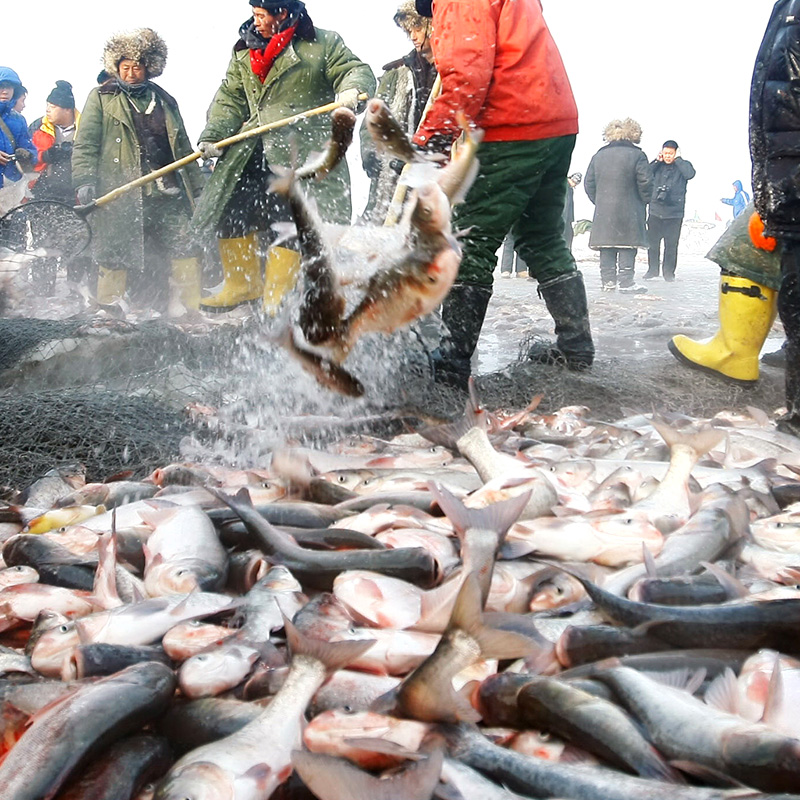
[(111, 284), (283, 266), (241, 268), (746, 313), (185, 284)]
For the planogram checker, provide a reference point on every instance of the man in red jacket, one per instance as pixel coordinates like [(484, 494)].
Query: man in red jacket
[(500, 66)]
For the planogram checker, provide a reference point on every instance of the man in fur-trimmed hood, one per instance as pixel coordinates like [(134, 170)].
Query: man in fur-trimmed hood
[(130, 127), (142, 45), (619, 183)]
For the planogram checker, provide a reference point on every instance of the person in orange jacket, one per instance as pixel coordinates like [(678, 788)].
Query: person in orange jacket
[(53, 135), (501, 68)]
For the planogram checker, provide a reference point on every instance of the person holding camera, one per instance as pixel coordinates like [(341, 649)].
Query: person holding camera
[(53, 135), (671, 173)]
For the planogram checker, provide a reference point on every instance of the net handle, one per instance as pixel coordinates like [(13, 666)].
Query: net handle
[(186, 160)]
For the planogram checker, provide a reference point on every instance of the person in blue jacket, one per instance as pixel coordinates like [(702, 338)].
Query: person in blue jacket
[(739, 200), (15, 140)]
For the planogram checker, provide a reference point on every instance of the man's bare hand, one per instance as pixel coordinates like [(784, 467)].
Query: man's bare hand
[(4, 158)]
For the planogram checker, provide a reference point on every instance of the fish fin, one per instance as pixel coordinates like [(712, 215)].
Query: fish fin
[(258, 774), (723, 692), (105, 577), (416, 782), (497, 517), (157, 516), (468, 616), (701, 441), (683, 679), (775, 693), (649, 561), (708, 774), (334, 655), (515, 548), (733, 586), (760, 417), (385, 746)]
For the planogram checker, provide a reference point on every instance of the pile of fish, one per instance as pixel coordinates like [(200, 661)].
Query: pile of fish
[(535, 605)]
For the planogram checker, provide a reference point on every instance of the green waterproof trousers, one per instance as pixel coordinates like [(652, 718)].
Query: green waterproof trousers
[(521, 187)]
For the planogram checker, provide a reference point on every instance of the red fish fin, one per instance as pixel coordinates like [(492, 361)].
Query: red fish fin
[(334, 655)]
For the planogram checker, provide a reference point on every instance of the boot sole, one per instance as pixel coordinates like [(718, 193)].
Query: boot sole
[(224, 309), (708, 370)]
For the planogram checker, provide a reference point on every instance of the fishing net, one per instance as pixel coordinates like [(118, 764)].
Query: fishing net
[(44, 229)]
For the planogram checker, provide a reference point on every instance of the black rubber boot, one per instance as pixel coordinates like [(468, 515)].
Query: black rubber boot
[(789, 310), (777, 358), (565, 297), (463, 312)]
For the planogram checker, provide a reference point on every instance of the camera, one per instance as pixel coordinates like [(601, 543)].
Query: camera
[(661, 192)]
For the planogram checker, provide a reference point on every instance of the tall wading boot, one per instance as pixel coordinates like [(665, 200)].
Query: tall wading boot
[(241, 269), (746, 313), (463, 312), (789, 305), (111, 285), (565, 297), (185, 286), (283, 267)]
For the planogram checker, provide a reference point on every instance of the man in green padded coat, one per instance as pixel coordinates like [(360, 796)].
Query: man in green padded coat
[(130, 126), (281, 65)]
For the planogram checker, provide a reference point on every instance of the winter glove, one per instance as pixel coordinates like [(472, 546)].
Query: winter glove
[(755, 227), (24, 158), (372, 165), (397, 165), (86, 195), (209, 150), (348, 98), (58, 153)]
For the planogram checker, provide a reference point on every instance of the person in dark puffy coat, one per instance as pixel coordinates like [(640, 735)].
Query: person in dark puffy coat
[(775, 152), (619, 183)]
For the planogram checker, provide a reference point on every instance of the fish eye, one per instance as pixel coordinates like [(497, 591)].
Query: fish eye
[(779, 525), (266, 484), (341, 479), (63, 628), (62, 529)]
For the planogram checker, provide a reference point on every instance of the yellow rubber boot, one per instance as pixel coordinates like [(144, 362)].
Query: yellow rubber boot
[(241, 268), (746, 313), (283, 266), (111, 284), (185, 285)]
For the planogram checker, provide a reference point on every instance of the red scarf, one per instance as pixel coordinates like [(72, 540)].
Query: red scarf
[(261, 61)]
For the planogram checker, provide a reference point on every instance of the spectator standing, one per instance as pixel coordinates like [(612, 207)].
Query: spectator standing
[(511, 262), (619, 183), (16, 147), (573, 181), (671, 173), (739, 200), (405, 86)]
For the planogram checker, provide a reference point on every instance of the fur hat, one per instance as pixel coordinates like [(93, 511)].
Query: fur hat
[(408, 18), (143, 45), (623, 130)]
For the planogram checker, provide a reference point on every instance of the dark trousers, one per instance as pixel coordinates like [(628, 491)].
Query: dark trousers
[(617, 258), (670, 231), (510, 260), (789, 311)]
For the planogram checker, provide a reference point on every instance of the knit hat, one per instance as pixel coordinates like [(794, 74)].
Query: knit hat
[(62, 95), (289, 5), (143, 45), (424, 8), (408, 18)]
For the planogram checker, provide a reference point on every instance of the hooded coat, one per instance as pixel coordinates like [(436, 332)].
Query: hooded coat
[(314, 67), (739, 200), (16, 125), (106, 155), (619, 183), (775, 123)]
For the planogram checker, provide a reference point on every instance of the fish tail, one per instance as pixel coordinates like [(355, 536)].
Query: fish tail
[(497, 517), (468, 616), (416, 782), (700, 441), (334, 655)]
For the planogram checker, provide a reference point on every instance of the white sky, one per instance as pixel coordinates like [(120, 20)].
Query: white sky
[(681, 68)]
